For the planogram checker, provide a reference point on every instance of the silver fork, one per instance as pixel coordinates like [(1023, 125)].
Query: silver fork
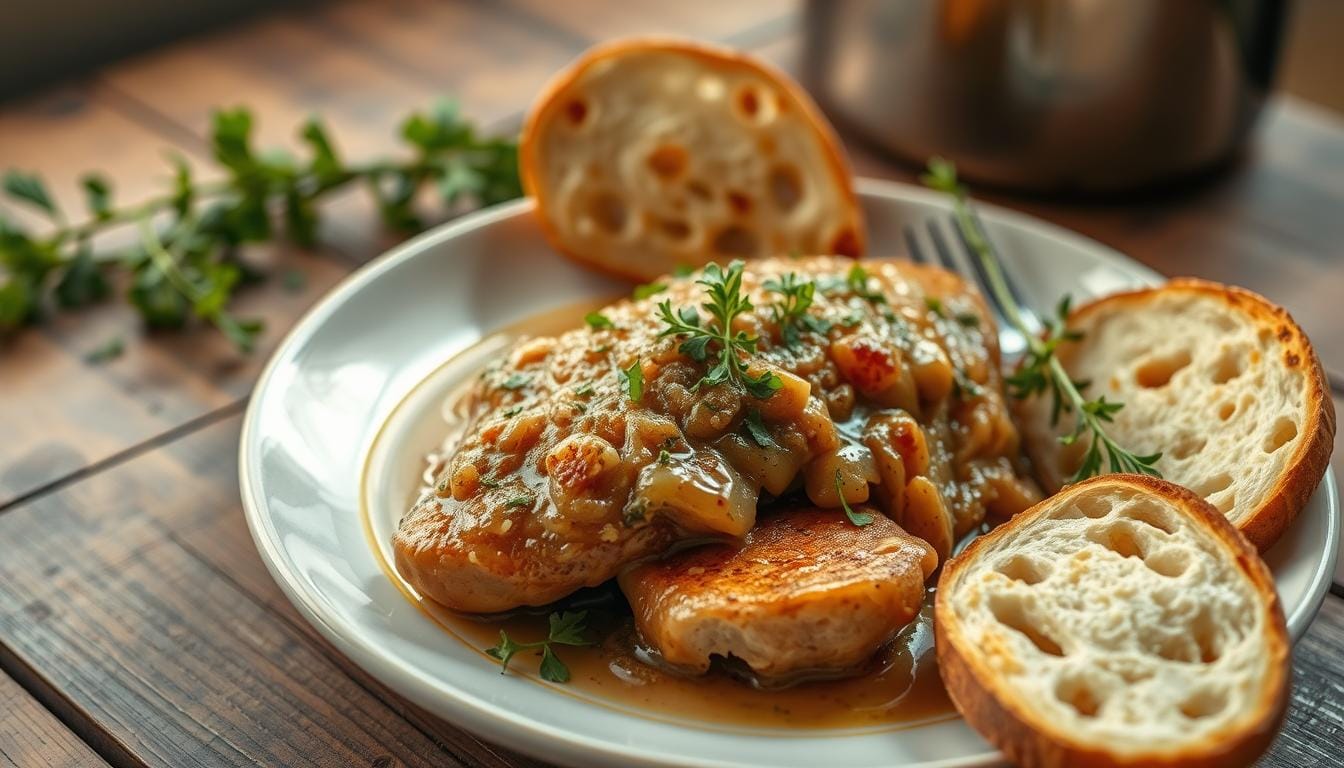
[(940, 243)]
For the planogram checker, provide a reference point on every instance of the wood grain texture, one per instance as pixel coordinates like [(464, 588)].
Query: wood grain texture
[(31, 736), (166, 631), (1314, 729)]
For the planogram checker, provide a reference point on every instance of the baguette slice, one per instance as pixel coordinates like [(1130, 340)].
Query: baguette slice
[(647, 155), (1219, 380), (1120, 622)]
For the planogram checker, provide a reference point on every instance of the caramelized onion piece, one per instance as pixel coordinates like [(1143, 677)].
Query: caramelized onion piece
[(700, 492)]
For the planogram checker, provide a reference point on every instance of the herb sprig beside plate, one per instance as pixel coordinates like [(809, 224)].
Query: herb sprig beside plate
[(1041, 371), (186, 262)]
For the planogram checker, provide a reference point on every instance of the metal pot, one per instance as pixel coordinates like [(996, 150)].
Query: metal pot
[(1047, 95)]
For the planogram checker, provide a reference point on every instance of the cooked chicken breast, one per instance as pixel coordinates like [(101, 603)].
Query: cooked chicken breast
[(607, 444), (806, 591)]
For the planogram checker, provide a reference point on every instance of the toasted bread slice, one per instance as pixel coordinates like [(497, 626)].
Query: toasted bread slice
[(648, 155), (1120, 622), (1219, 380), (807, 591)]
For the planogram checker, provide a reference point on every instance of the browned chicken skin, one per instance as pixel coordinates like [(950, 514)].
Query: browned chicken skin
[(807, 591), (893, 395)]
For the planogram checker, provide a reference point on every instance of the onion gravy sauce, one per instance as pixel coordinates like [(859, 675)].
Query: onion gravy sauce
[(900, 686)]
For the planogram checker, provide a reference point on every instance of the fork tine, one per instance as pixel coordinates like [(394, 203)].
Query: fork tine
[(917, 254), (1011, 342), (967, 271), (1024, 309)]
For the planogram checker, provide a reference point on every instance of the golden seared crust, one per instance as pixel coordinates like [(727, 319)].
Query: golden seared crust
[(1263, 519), (974, 673), (673, 229), (807, 591)]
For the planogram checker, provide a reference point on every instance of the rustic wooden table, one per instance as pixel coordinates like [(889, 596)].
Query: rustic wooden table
[(137, 624)]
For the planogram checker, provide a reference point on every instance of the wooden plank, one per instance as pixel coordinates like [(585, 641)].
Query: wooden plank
[(63, 413), (1314, 729), (31, 736), (166, 633)]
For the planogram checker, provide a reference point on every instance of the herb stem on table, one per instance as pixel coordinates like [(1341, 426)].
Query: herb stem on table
[(186, 262), (1041, 371)]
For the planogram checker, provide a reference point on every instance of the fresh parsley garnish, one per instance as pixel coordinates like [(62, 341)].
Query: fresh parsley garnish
[(584, 390), (968, 320), (857, 280), (858, 518), (632, 379), (566, 628), (683, 270), (511, 411), (519, 501), (645, 290), (598, 321), (488, 483), (516, 381), (664, 457), (790, 312), (757, 429), (1041, 371), (715, 340), (935, 305)]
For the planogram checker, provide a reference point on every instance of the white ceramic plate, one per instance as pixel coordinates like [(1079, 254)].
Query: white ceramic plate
[(361, 351)]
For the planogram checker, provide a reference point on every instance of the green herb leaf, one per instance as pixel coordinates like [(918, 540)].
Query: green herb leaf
[(683, 270), (519, 501), (516, 381), (83, 282), (935, 305), (98, 193), (108, 350), (552, 668), (632, 380), (1040, 371), (566, 628), (490, 483), (584, 390), (645, 290), (598, 321), (857, 518), (857, 280), (29, 188), (511, 411), (968, 320), (505, 651), (758, 431)]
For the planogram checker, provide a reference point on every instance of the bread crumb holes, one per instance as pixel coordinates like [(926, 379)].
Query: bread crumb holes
[(1117, 536), (576, 112), (1157, 372), (607, 210), (1212, 485), (736, 241), (1170, 562), (1227, 410), (1229, 365), (1284, 430), (786, 187), (668, 162), (1078, 695), (1010, 613), (1151, 514), (1024, 569), (1205, 703)]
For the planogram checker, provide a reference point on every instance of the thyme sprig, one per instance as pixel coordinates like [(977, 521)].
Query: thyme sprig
[(566, 628), (186, 262), (715, 339), (790, 312), (1041, 371)]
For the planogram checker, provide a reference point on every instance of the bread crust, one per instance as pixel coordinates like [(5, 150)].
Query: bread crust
[(1266, 523), (1000, 716), (551, 99)]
